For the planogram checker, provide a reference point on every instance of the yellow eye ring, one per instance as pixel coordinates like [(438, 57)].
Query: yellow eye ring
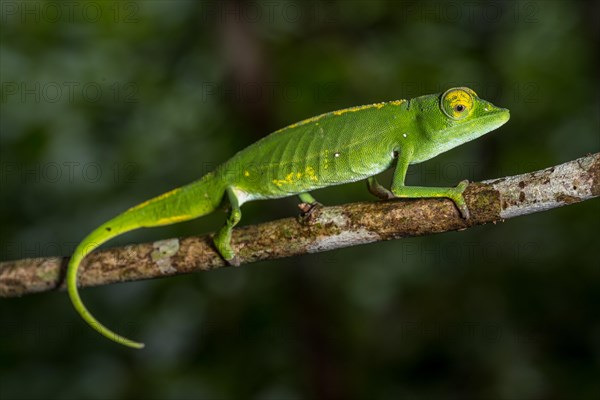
[(457, 103)]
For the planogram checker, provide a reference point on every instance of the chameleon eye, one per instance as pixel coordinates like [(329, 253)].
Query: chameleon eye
[(457, 103)]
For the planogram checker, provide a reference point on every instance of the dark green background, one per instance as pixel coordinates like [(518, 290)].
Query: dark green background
[(106, 104)]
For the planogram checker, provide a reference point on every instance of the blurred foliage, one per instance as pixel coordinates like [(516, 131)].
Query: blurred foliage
[(105, 104)]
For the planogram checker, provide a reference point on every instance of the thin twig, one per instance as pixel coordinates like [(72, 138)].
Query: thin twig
[(327, 228)]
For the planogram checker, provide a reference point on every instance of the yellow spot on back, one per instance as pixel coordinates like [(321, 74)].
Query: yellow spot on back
[(246, 173)]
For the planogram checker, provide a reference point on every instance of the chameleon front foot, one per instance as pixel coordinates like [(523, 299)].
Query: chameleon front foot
[(456, 195)]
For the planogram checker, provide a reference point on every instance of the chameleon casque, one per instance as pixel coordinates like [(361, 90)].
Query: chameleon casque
[(330, 149)]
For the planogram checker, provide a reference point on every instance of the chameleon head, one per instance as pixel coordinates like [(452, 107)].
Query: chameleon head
[(452, 118)]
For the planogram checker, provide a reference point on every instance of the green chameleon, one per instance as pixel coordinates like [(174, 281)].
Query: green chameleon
[(330, 149)]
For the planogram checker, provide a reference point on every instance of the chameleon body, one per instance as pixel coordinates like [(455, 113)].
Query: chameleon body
[(330, 149)]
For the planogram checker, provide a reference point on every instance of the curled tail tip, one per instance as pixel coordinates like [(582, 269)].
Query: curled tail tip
[(89, 318), (133, 345), (120, 339), (115, 337)]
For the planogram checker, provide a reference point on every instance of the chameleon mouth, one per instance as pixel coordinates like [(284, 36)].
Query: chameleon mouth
[(490, 118), (498, 116), (471, 130), (488, 122), (490, 110)]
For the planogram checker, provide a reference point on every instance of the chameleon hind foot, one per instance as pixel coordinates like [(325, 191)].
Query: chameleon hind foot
[(309, 210), (222, 239), (222, 242), (308, 206)]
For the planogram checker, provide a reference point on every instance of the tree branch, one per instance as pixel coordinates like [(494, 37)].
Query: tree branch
[(327, 228)]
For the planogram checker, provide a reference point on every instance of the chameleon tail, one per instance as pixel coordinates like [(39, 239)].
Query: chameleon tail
[(182, 204)]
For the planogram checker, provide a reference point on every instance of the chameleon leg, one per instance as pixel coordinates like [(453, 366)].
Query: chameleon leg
[(378, 190), (222, 238), (307, 198), (453, 193)]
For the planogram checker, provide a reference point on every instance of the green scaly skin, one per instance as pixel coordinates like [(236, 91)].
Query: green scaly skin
[(330, 149)]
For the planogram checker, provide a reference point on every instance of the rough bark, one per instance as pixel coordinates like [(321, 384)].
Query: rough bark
[(326, 228)]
